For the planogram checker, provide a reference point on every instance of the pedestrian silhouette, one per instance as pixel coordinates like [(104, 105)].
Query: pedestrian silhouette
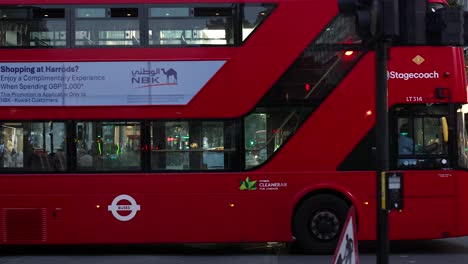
[(339, 260), (349, 250)]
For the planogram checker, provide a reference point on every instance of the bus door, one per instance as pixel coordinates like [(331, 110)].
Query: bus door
[(420, 149)]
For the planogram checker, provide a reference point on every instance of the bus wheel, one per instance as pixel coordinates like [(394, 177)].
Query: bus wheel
[(318, 222)]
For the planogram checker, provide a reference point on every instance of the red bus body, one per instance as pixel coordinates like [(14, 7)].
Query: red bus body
[(209, 207)]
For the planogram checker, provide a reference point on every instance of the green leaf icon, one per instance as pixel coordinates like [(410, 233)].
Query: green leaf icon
[(248, 185), (243, 187), (252, 185)]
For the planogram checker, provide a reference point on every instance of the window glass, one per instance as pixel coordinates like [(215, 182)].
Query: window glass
[(170, 12), (213, 145), (108, 146), (462, 133), (266, 132), (170, 145), (341, 31), (191, 26), (254, 15), (255, 139), (420, 142), (120, 27), (90, 12), (192, 145), (27, 27), (405, 137), (37, 146), (419, 136), (10, 13)]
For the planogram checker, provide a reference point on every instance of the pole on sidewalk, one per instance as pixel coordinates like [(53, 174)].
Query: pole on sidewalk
[(382, 144)]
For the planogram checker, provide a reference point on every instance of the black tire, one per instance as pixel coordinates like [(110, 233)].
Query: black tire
[(318, 222)]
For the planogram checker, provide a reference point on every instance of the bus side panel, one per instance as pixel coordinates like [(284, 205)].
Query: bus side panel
[(192, 218), (462, 203), (429, 184), (423, 218), (33, 219)]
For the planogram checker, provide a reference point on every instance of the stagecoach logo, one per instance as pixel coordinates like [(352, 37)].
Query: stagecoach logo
[(412, 75), (115, 208), (154, 77), (262, 185)]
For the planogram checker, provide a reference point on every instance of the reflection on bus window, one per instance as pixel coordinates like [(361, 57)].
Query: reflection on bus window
[(192, 145), (462, 138), (255, 139), (341, 31), (108, 146), (220, 24), (36, 146), (171, 143), (420, 141), (32, 27), (254, 15), (107, 27), (266, 132), (191, 25)]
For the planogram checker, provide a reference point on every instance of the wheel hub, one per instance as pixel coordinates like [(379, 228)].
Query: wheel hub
[(325, 225)]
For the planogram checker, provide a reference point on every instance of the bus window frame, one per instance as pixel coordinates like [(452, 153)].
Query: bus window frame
[(235, 21), (412, 115), (143, 19), (66, 19), (140, 18)]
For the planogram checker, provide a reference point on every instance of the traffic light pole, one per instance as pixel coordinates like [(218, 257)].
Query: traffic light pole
[(382, 144)]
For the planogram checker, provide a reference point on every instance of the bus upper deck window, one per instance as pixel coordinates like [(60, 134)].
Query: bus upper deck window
[(254, 15), (33, 27), (192, 25), (107, 27), (13, 13), (90, 12), (124, 12), (48, 13)]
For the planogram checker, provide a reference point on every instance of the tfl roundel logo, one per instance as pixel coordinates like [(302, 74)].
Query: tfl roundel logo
[(120, 209)]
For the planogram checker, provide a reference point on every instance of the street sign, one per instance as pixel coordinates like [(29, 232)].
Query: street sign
[(347, 248)]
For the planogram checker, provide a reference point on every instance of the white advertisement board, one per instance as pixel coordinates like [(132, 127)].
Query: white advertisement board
[(103, 83)]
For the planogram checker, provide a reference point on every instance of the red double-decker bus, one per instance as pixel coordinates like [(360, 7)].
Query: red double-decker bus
[(222, 121)]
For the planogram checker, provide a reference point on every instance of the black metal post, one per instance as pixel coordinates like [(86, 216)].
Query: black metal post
[(382, 144)]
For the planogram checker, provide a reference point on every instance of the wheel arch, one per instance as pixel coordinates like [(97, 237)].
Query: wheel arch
[(341, 193)]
